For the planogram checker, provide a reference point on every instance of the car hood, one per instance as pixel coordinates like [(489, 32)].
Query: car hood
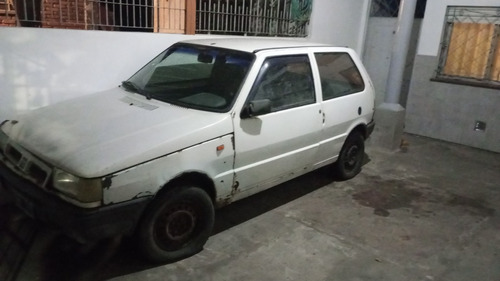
[(99, 134)]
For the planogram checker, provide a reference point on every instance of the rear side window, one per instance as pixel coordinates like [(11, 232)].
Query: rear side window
[(339, 75)]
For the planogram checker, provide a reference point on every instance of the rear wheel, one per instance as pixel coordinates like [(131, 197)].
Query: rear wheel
[(177, 224), (351, 157)]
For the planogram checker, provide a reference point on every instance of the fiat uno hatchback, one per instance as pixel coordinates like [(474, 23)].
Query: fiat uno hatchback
[(205, 123)]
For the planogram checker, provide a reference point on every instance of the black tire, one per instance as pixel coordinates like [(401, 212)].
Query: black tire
[(176, 225), (351, 157)]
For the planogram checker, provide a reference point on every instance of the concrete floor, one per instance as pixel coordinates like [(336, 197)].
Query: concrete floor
[(427, 212)]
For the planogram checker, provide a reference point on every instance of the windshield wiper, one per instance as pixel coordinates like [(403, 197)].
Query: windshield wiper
[(129, 85)]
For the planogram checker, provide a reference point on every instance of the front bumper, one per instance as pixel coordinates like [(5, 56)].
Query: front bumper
[(79, 223)]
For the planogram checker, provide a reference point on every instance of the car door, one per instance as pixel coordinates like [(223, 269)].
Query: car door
[(345, 101), (274, 147)]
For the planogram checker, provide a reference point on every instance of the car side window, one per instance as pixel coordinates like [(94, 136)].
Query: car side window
[(286, 81), (339, 75)]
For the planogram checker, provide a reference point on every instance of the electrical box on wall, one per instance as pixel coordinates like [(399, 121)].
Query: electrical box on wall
[(480, 126)]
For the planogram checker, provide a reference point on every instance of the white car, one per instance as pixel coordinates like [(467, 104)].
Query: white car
[(205, 123)]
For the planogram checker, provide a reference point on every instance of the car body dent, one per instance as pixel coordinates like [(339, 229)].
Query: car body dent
[(147, 178)]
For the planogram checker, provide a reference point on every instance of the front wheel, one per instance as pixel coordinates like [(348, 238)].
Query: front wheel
[(351, 157), (176, 225)]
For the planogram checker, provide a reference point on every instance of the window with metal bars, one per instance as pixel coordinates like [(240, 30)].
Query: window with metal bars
[(232, 17), (390, 8), (254, 17), (470, 49)]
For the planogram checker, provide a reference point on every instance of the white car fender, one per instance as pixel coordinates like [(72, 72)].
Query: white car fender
[(213, 158)]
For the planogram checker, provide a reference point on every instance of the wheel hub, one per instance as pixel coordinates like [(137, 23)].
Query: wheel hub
[(180, 224), (352, 156)]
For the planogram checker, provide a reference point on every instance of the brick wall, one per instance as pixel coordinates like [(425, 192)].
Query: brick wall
[(63, 13), (47, 13), (7, 13), (8, 19)]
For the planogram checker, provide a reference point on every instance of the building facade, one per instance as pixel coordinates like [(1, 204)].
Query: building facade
[(454, 93)]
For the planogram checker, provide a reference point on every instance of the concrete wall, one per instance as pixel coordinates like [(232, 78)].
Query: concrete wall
[(39, 67), (448, 111), (340, 22), (42, 66), (377, 54)]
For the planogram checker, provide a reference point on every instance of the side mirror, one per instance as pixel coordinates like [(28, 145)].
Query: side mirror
[(255, 108)]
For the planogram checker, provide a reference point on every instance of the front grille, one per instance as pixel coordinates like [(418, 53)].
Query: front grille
[(27, 165), (37, 174)]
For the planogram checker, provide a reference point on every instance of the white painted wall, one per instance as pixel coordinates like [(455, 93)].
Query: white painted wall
[(340, 22), (39, 67), (378, 50), (434, 18), (43, 66)]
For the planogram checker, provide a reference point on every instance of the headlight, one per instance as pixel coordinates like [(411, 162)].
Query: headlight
[(86, 192)]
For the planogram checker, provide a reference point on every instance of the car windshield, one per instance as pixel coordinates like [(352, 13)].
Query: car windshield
[(197, 77)]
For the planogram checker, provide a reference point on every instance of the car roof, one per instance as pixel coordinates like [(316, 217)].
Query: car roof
[(253, 45)]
